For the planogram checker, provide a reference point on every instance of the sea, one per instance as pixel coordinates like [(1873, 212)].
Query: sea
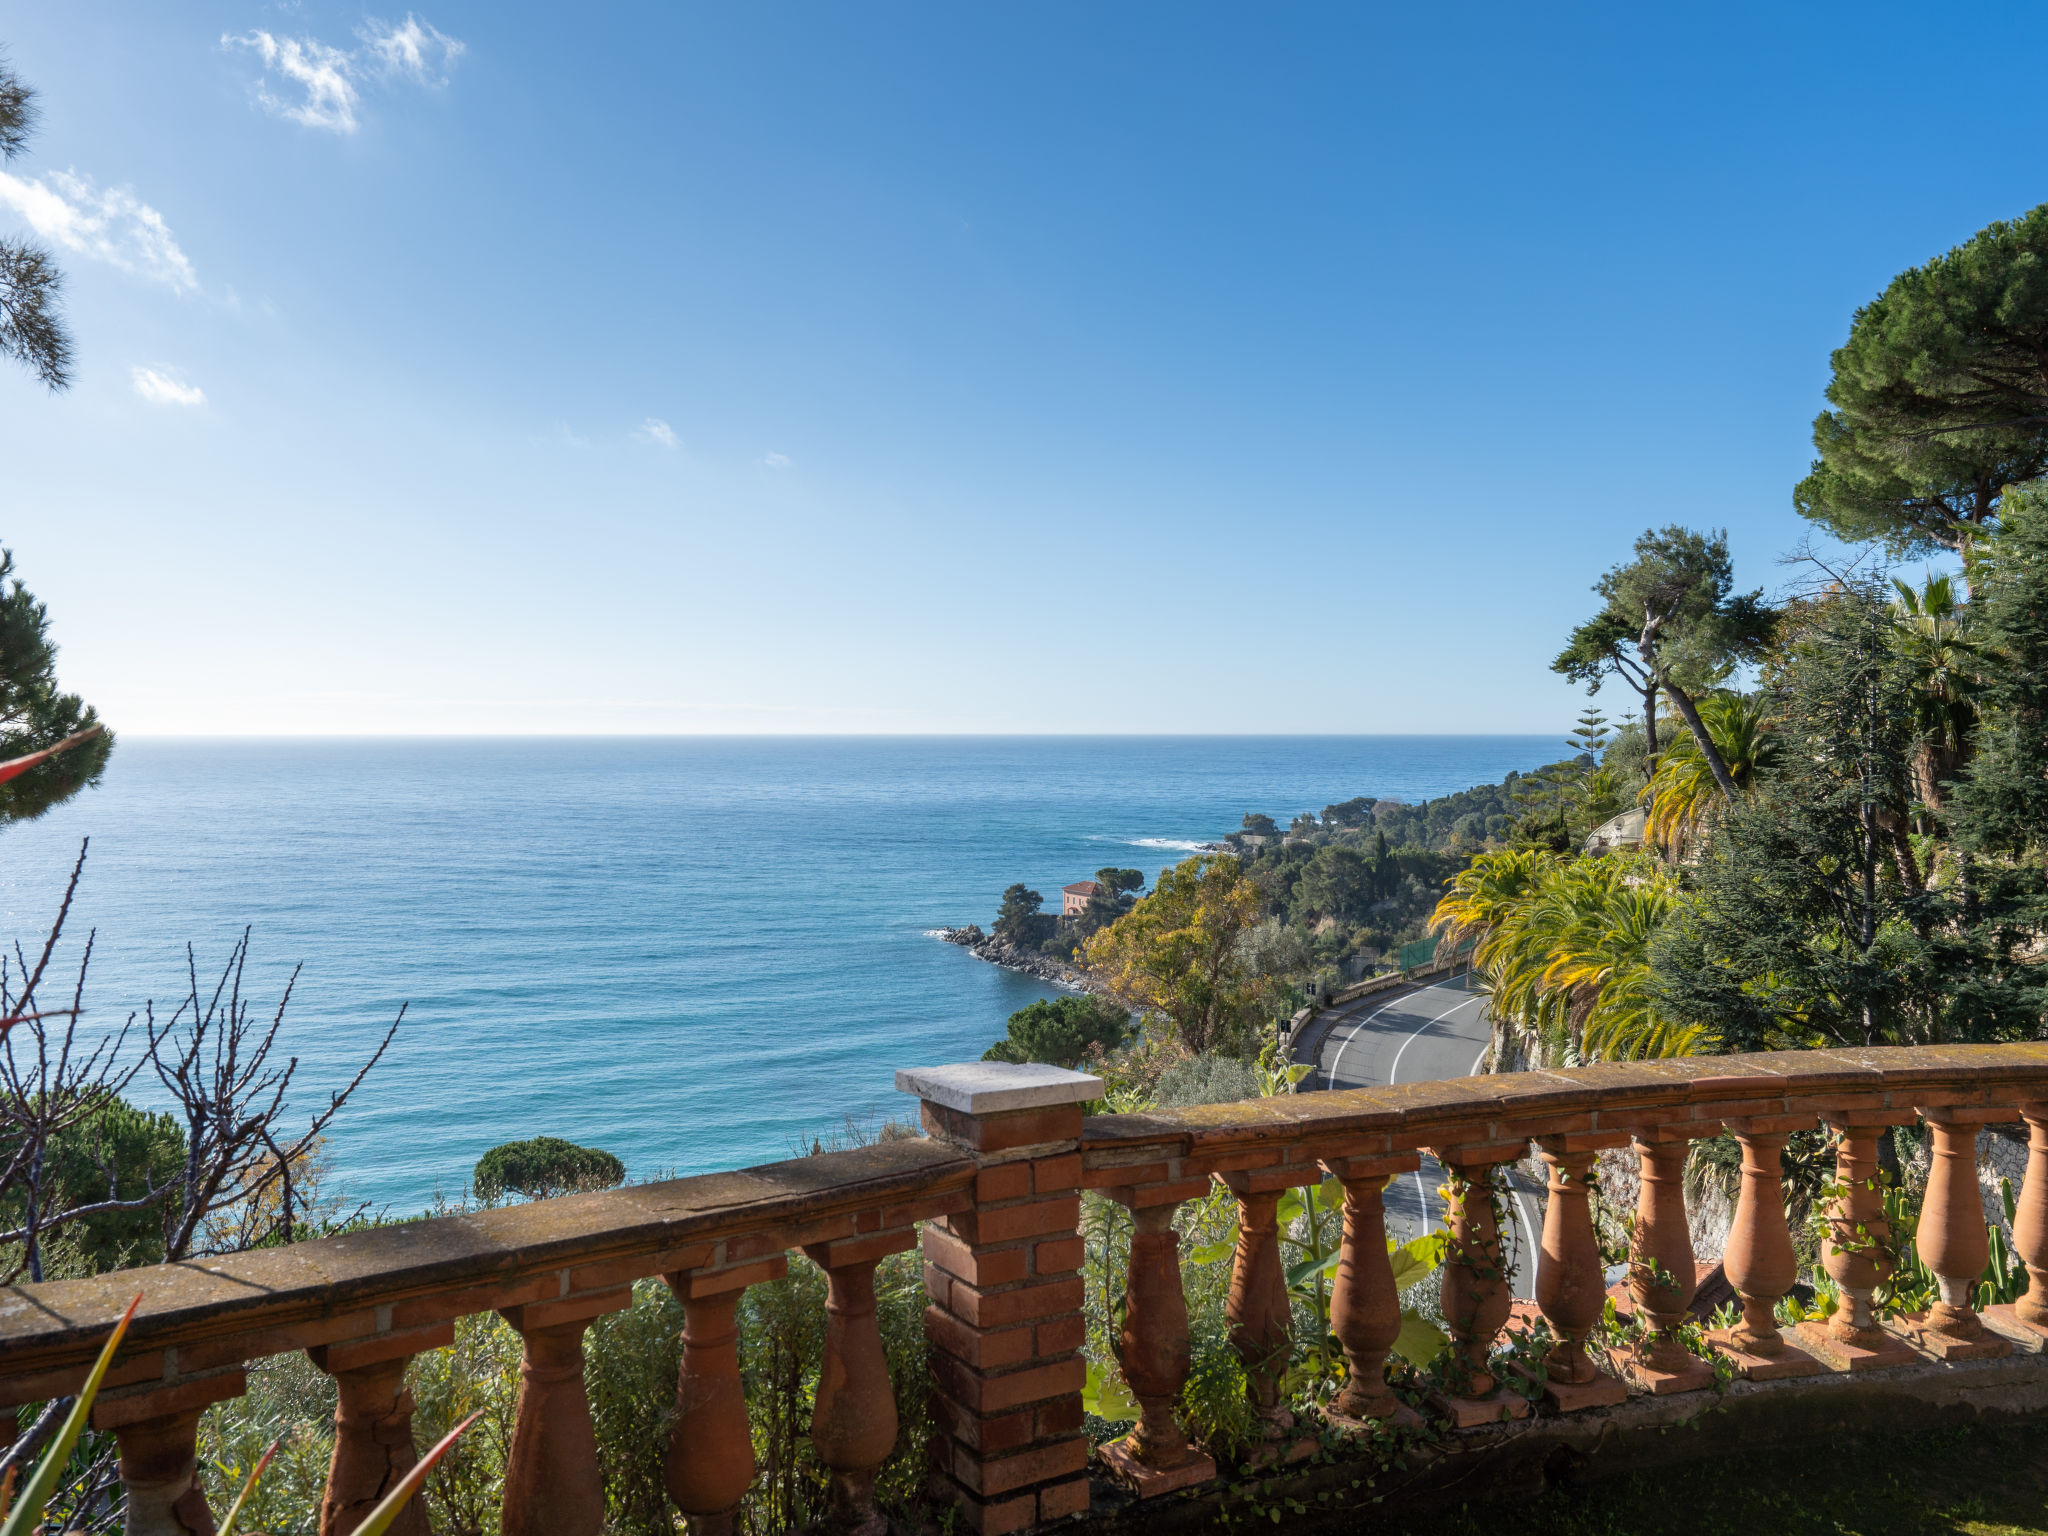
[(694, 952)]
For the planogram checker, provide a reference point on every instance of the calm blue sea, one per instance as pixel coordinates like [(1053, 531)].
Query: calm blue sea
[(696, 953)]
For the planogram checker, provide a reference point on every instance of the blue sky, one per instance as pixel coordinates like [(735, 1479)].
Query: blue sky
[(498, 367)]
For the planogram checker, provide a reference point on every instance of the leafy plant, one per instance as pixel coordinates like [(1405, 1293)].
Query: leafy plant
[(27, 1513)]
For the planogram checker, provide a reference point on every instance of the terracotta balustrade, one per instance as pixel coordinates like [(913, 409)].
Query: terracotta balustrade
[(992, 1194)]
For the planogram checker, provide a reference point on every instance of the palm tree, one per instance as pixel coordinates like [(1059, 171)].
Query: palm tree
[(1563, 949), (1932, 637), (1684, 792)]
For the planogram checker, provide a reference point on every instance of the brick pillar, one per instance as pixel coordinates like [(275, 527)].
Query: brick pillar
[(1004, 1283)]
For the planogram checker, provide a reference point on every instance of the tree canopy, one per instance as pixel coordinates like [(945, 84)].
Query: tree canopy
[(544, 1166), (1940, 397), (35, 713), (1059, 1031), (1177, 952), (1670, 624), (32, 330)]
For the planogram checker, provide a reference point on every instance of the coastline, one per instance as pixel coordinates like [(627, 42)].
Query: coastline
[(1001, 952)]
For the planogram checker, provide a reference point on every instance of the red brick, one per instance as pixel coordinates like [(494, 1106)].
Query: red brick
[(952, 1254), (1000, 1432), (980, 1393), (1061, 1335), (1005, 1181), (938, 1285), (1063, 1499), (1057, 1256), (983, 1348), (1039, 1218), (1051, 1175), (1023, 1304), (1062, 1416), (1002, 1474), (1006, 1131), (1001, 1517)]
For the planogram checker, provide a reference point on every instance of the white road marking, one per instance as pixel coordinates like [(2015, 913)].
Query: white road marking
[(1394, 1071), (1330, 1077)]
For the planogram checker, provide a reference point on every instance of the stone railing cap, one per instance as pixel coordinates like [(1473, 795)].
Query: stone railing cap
[(990, 1087)]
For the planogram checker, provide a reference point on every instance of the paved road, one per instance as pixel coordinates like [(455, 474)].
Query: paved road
[(1434, 1032)]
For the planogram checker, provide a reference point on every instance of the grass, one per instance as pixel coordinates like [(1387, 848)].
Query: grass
[(1980, 1480)]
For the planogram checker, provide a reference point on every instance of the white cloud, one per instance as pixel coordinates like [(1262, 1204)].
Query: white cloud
[(109, 224), (321, 72), (655, 430), (323, 79), (777, 461), (413, 48), (160, 388)]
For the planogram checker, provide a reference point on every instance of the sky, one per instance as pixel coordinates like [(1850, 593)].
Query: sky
[(507, 368)]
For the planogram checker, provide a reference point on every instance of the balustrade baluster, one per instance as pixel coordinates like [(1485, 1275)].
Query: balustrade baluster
[(1571, 1282), (854, 1422), (2030, 1221), (373, 1446), (159, 1475), (1952, 1240), (1662, 1273), (1261, 1317), (1853, 1253), (710, 1461), (1477, 1297), (1154, 1350), (552, 1483), (1759, 1260), (1365, 1308)]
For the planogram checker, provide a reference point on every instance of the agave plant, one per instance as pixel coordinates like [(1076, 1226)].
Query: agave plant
[(27, 1512)]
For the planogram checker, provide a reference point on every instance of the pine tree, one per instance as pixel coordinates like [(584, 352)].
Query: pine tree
[(35, 713)]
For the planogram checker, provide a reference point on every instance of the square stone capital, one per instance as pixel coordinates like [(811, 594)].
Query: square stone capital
[(991, 1087)]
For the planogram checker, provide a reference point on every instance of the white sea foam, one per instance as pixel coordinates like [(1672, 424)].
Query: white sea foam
[(1166, 842)]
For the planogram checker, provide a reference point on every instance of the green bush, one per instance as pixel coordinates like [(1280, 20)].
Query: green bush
[(544, 1166)]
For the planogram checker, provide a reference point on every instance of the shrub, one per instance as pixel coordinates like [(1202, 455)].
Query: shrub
[(544, 1166)]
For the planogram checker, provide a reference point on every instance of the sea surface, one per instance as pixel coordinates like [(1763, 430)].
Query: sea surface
[(696, 953)]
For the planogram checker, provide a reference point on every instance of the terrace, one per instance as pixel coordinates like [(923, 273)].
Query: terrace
[(992, 1193)]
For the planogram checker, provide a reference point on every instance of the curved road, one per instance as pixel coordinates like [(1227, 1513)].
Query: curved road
[(1434, 1032)]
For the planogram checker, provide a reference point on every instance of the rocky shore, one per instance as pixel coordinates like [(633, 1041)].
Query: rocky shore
[(1033, 963)]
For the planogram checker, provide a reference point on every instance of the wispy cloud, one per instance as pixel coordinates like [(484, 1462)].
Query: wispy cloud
[(655, 430), (561, 432), (109, 224), (319, 82), (321, 73), (777, 461), (413, 48), (166, 388)]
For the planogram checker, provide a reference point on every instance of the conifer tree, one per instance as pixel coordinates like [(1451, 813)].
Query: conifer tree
[(1940, 397), (1810, 925), (31, 330), (35, 713)]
